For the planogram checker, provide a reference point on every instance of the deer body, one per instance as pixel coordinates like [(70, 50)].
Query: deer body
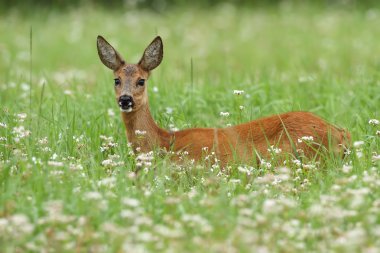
[(245, 142)]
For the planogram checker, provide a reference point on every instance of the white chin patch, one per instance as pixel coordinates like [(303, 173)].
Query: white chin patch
[(126, 110)]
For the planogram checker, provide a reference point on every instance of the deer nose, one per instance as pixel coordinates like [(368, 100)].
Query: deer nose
[(126, 102)]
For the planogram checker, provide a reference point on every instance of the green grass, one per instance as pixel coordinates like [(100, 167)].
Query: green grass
[(56, 195)]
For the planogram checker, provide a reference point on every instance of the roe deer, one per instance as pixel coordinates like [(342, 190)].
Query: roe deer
[(246, 142)]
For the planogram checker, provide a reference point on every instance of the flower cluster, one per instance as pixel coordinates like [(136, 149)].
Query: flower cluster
[(112, 161), (238, 92), (20, 133), (144, 161), (107, 143), (224, 114), (306, 139)]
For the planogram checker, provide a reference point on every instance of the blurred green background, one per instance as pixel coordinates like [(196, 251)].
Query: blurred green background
[(162, 5), (165, 5)]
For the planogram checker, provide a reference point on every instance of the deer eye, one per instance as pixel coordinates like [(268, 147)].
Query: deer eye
[(141, 82), (117, 81)]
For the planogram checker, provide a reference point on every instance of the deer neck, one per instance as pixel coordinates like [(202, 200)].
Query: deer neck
[(143, 132)]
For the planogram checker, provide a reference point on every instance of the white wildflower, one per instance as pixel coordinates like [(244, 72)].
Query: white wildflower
[(309, 166), (3, 125), (92, 195), (274, 149), (20, 132), (297, 178), (127, 214), (358, 144), (271, 206), (144, 159), (140, 132), (224, 114), (43, 141), (4, 224), (205, 149), (19, 225), (197, 220), (238, 92), (108, 163), (107, 182), (173, 128), (378, 132), (107, 143), (353, 237), (169, 110), (106, 138), (241, 108), (25, 86), (305, 139), (55, 163), (54, 156), (75, 167), (131, 175), (110, 112), (374, 122), (21, 116), (284, 170), (376, 158), (352, 178), (155, 89), (265, 164), (297, 162), (168, 232), (114, 157), (78, 139), (235, 181), (306, 182), (36, 160), (245, 170), (347, 151), (56, 172), (130, 202), (192, 193)]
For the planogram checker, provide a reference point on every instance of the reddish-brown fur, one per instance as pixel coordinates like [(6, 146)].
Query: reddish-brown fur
[(244, 143)]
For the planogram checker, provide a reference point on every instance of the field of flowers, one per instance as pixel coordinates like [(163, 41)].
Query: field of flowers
[(67, 173)]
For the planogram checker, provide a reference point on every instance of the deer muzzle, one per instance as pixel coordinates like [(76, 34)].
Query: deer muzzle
[(126, 103)]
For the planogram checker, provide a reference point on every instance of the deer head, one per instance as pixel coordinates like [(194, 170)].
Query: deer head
[(131, 79)]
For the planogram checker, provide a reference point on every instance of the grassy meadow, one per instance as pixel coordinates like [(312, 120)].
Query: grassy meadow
[(67, 181)]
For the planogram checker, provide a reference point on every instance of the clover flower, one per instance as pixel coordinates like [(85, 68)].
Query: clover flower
[(305, 139), (238, 92), (374, 122), (224, 114)]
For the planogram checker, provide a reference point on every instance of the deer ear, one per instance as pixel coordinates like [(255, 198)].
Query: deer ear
[(152, 55), (108, 55)]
